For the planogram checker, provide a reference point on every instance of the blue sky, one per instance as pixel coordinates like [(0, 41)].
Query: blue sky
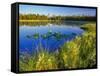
[(51, 10)]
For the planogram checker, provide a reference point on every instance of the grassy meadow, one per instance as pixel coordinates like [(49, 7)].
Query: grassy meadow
[(77, 53)]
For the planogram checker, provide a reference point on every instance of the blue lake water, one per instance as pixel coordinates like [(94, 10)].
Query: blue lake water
[(51, 43)]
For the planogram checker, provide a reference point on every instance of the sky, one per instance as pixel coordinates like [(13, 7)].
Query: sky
[(56, 10)]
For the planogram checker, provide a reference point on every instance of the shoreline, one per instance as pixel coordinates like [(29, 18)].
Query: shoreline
[(38, 20)]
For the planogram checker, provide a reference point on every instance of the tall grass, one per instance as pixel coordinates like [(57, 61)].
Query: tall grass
[(78, 53), (42, 60), (46, 61)]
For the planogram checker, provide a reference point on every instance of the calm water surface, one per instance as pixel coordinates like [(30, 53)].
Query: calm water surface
[(51, 43)]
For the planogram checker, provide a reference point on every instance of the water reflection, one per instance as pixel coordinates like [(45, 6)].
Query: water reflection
[(40, 23), (46, 35)]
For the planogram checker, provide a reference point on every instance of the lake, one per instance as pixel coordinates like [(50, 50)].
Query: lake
[(49, 37)]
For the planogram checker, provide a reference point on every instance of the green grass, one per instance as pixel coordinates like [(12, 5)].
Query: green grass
[(78, 53)]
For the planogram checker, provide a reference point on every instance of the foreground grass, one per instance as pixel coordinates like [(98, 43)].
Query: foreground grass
[(78, 53)]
